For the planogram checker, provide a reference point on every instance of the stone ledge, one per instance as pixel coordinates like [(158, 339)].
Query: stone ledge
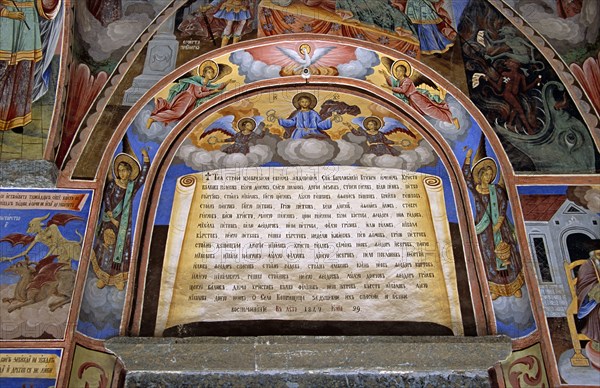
[(301, 380), (28, 173), (310, 361)]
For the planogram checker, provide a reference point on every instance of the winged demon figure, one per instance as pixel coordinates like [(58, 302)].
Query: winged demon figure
[(65, 250)]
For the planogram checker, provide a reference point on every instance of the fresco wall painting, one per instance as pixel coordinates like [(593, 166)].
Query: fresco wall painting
[(226, 167)]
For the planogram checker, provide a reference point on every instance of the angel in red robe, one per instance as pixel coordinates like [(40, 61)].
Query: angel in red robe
[(189, 93), (421, 99)]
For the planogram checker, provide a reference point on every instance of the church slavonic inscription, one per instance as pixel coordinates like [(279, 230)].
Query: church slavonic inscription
[(278, 243)]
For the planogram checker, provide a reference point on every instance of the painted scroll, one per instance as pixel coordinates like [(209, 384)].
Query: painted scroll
[(344, 243)]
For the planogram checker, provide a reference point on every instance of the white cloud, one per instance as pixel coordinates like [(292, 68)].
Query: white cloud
[(361, 67), (311, 152)]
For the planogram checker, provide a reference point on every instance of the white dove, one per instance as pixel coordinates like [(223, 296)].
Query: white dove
[(307, 60)]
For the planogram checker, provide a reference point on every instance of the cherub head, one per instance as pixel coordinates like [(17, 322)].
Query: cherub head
[(246, 125), (372, 125), (208, 70), (401, 69)]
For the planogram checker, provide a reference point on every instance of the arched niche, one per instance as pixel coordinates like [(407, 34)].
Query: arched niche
[(479, 319), (278, 98), (162, 151)]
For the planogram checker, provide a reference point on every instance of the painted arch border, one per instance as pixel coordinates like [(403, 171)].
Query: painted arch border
[(211, 105), (167, 150), (169, 146), (79, 151), (89, 122)]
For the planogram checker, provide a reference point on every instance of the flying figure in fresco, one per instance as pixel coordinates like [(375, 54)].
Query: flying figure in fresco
[(305, 122), (190, 92), (426, 98), (495, 232), (376, 134), (247, 132), (63, 249)]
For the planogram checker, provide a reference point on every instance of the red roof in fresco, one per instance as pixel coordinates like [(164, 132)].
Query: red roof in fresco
[(541, 207)]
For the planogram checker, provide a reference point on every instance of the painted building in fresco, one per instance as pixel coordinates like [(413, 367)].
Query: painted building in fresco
[(556, 228)]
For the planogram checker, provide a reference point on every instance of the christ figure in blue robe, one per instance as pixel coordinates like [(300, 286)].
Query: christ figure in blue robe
[(305, 122)]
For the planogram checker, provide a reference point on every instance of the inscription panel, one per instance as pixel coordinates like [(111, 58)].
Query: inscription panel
[(307, 244)]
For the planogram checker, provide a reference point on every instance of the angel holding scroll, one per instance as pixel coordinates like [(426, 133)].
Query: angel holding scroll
[(249, 129), (190, 92), (426, 99), (376, 133)]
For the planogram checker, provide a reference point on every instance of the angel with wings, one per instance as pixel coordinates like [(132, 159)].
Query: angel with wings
[(190, 92), (249, 129), (426, 98), (377, 133)]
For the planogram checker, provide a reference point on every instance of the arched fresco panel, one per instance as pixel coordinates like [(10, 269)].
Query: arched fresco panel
[(514, 141), (252, 133)]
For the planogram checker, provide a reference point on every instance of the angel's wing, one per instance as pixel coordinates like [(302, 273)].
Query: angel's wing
[(387, 63), (260, 124), (422, 82), (501, 182), (223, 125), (292, 54), (419, 80), (223, 71), (358, 120), (319, 53), (391, 126)]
